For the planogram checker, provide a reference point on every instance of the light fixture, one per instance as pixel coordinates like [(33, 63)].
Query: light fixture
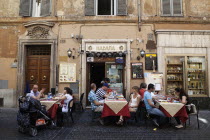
[(104, 55), (98, 54), (120, 54), (142, 53), (109, 54), (69, 53)]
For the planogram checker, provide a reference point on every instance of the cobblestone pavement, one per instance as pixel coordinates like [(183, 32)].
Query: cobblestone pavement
[(83, 128)]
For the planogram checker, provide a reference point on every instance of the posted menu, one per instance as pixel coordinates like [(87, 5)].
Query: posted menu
[(67, 72)]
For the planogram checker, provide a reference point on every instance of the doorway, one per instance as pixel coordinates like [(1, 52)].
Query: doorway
[(96, 73), (38, 66)]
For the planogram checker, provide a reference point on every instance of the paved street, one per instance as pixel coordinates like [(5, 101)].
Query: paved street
[(85, 129)]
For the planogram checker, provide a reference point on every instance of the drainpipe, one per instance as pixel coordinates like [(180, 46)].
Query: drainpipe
[(139, 15)]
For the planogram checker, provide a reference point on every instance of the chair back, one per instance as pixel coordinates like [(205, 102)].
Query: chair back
[(70, 105), (196, 103), (81, 97)]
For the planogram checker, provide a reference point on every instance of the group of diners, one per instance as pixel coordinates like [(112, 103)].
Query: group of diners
[(145, 94)]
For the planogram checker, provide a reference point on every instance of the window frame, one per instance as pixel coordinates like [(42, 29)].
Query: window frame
[(172, 10), (35, 8), (114, 12)]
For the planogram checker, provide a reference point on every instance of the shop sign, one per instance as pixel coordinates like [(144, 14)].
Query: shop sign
[(90, 59), (119, 60), (106, 47)]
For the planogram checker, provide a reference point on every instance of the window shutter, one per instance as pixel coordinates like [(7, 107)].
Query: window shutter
[(90, 7), (166, 9), (25, 8), (121, 7), (177, 7), (45, 8)]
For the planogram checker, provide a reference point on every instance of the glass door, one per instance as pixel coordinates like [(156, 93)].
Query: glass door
[(115, 73)]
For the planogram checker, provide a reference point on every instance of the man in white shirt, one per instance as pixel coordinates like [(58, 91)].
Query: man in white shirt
[(35, 93)]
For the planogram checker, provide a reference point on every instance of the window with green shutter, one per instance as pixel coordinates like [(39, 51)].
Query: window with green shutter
[(35, 8), (171, 8)]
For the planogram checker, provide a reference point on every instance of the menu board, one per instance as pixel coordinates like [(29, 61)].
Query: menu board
[(154, 78), (67, 72), (151, 61), (137, 70)]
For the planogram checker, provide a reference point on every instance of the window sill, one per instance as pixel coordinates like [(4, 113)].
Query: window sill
[(171, 16)]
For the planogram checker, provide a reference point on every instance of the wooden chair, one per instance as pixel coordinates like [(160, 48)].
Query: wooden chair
[(80, 102)]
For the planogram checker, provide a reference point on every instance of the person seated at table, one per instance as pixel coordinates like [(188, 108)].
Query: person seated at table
[(143, 88), (151, 108), (135, 99), (66, 98), (95, 104), (35, 93), (102, 92), (183, 98)]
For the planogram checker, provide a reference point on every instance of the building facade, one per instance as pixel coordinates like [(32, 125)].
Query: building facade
[(73, 43)]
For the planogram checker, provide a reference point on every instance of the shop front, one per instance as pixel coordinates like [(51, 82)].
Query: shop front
[(106, 59), (183, 57)]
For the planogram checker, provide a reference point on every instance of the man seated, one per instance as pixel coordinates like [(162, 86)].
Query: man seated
[(102, 92), (151, 108), (35, 93), (95, 104)]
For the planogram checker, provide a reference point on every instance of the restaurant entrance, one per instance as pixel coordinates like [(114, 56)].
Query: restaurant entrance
[(97, 71)]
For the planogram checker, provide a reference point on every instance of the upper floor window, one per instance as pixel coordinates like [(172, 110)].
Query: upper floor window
[(172, 8), (105, 7), (35, 8)]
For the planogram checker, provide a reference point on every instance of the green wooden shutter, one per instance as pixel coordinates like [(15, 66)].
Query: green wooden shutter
[(45, 8), (166, 7), (121, 7), (90, 7), (177, 7), (25, 8)]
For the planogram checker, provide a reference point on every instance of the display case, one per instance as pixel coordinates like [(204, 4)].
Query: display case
[(188, 72), (196, 75), (175, 73)]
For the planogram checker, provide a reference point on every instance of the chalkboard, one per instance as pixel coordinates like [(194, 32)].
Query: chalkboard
[(150, 60), (75, 87), (137, 71)]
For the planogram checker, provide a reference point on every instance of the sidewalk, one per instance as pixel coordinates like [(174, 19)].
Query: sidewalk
[(85, 129)]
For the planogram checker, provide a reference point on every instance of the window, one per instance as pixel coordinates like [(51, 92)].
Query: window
[(171, 7), (105, 7), (35, 8)]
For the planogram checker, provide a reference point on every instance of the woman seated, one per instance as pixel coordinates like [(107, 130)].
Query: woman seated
[(135, 99), (66, 97), (183, 98)]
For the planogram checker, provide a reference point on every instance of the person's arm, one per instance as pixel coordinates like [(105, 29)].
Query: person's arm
[(106, 95), (150, 103), (184, 100), (62, 98), (97, 103)]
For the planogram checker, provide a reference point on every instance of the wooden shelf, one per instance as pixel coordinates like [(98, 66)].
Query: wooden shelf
[(194, 62), (196, 80), (174, 64), (195, 72), (174, 80), (195, 89), (198, 95), (174, 72)]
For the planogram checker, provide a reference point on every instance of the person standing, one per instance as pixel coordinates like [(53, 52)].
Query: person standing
[(151, 108)]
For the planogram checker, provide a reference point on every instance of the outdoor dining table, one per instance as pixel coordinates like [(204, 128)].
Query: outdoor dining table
[(171, 109), (116, 107), (51, 106)]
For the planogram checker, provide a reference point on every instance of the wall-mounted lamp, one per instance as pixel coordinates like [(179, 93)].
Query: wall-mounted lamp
[(142, 53), (69, 53)]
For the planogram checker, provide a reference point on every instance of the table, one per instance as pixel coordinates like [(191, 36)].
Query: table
[(174, 110), (116, 107), (51, 106)]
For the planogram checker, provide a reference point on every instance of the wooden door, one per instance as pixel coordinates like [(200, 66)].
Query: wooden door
[(38, 71)]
